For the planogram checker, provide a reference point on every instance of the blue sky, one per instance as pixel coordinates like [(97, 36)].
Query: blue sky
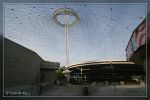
[(95, 36)]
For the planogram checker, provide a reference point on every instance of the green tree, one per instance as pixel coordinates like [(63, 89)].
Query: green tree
[(59, 75)]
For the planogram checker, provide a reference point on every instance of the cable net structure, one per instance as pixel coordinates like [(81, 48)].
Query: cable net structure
[(101, 32)]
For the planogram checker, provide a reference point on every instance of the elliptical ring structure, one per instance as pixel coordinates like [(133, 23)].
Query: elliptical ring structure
[(65, 11)]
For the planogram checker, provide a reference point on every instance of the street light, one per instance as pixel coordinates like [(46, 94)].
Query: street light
[(66, 12)]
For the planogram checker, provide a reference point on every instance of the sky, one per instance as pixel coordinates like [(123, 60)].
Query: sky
[(102, 32)]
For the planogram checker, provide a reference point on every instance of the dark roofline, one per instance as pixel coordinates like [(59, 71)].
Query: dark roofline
[(22, 46)]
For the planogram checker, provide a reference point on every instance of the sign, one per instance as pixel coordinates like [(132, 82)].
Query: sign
[(137, 39), (140, 35)]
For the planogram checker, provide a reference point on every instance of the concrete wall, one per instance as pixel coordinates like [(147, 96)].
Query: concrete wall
[(21, 65), (50, 65), (47, 79), (148, 75), (148, 53), (139, 57), (48, 70), (1, 64), (24, 69), (48, 74)]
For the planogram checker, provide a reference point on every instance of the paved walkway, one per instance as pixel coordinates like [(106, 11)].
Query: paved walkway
[(63, 91), (133, 90), (76, 90)]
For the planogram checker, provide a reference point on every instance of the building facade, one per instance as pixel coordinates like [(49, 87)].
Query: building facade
[(24, 70)]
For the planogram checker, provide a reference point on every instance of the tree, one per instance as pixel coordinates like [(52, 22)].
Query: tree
[(59, 75)]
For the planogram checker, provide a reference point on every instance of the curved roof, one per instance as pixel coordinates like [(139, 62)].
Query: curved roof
[(98, 62)]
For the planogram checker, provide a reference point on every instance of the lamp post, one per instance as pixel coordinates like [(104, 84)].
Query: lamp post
[(66, 12)]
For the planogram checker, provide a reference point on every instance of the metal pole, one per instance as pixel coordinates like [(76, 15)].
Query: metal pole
[(113, 76), (81, 75), (66, 39)]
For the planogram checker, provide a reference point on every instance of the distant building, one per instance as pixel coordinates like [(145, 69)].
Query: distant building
[(102, 71)]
